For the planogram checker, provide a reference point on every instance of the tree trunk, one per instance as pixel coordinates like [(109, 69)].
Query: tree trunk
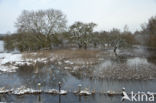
[(115, 48)]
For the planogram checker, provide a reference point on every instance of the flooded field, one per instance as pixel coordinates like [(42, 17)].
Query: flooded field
[(49, 76), (111, 73)]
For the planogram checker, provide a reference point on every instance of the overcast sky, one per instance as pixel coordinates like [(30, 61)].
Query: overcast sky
[(106, 13)]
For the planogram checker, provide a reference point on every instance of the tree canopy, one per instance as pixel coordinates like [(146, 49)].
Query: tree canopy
[(81, 33), (47, 22)]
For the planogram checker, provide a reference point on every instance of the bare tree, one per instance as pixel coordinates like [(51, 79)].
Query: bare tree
[(81, 33), (151, 26), (151, 29), (43, 21), (46, 22)]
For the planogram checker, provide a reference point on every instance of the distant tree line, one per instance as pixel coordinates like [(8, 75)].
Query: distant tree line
[(1, 36), (147, 36), (47, 29)]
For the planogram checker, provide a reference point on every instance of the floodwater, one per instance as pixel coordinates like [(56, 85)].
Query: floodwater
[(49, 76)]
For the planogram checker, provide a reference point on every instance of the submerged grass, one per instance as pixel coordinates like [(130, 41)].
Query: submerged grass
[(36, 55), (79, 53), (86, 63)]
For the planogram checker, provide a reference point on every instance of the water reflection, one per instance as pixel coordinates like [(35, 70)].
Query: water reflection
[(131, 61), (59, 98), (49, 76), (137, 61)]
